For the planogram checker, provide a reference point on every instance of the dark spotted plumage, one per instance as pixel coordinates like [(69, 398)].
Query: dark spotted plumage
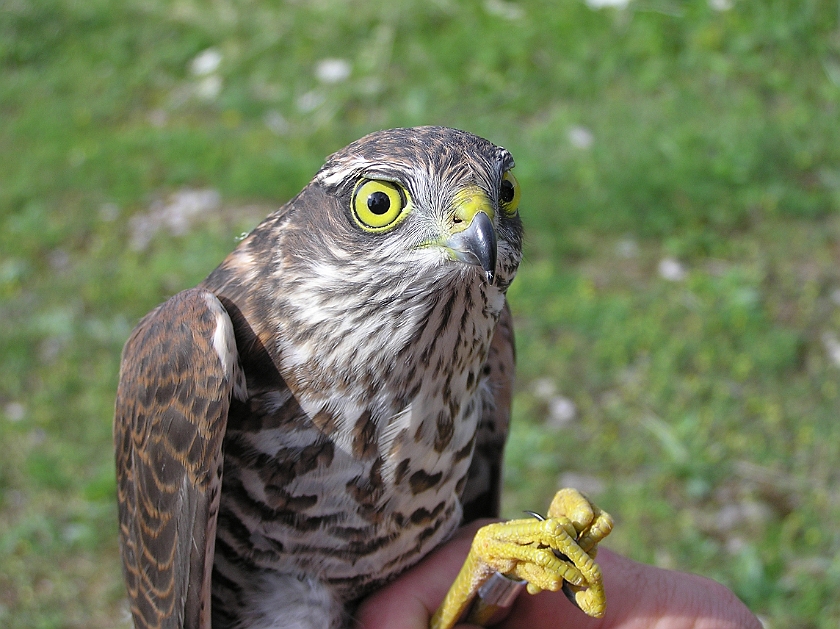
[(331, 402)]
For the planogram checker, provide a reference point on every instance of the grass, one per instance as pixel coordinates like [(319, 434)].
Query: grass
[(700, 410)]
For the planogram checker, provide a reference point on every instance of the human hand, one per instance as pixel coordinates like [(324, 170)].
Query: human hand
[(638, 597)]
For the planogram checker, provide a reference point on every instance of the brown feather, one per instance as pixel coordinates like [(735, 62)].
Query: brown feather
[(170, 418)]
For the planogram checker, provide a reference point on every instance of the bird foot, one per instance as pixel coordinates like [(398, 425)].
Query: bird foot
[(553, 553)]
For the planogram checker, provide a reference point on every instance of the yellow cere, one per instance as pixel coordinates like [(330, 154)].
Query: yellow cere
[(470, 201), (378, 205)]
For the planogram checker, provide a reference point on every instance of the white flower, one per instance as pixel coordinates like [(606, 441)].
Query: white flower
[(627, 248), (544, 388), (832, 347), (504, 10), (561, 411), (600, 4), (15, 411), (310, 101), (580, 137), (332, 70), (206, 62), (672, 270), (275, 121), (720, 5)]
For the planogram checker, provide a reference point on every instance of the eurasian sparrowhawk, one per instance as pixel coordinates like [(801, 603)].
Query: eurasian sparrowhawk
[(332, 401)]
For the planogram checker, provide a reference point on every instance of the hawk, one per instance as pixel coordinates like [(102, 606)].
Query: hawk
[(332, 401)]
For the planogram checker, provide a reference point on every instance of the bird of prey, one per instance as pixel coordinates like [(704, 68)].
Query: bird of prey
[(332, 401)]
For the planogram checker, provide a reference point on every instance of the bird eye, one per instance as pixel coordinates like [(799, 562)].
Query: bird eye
[(509, 194), (377, 205)]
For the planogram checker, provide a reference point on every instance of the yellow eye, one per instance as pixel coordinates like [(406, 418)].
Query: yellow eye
[(509, 194), (377, 205)]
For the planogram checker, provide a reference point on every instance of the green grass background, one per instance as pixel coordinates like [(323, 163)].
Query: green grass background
[(706, 407)]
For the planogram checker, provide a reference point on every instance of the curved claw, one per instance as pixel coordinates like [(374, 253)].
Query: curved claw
[(544, 553), (591, 523)]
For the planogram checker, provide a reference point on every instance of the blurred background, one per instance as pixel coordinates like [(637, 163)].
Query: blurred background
[(677, 311)]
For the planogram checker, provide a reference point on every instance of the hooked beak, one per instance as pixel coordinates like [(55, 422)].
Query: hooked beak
[(473, 238)]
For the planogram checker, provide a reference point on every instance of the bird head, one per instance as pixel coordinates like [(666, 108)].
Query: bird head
[(428, 199)]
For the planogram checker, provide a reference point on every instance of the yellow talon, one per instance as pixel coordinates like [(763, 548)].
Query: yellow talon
[(558, 552)]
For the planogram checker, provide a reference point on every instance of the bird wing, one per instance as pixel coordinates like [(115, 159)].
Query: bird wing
[(178, 372), (482, 493)]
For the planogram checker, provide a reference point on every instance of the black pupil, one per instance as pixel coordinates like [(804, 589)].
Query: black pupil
[(507, 191), (379, 203)]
